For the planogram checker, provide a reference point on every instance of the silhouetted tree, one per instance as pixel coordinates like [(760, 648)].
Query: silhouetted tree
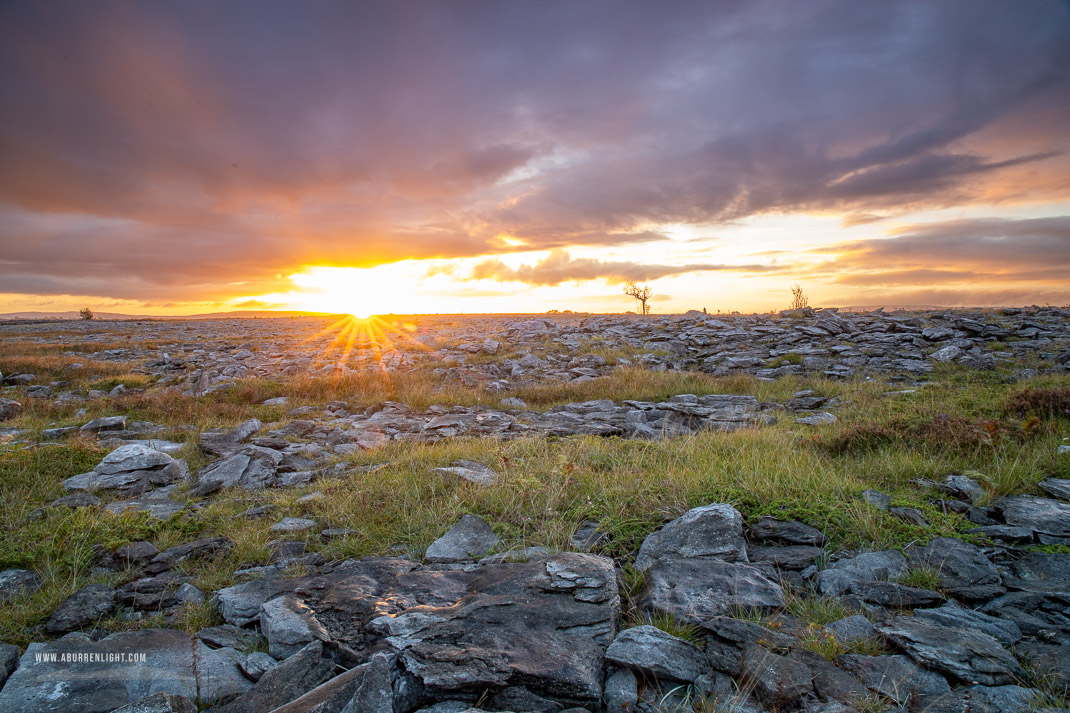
[(86, 313), (640, 294)]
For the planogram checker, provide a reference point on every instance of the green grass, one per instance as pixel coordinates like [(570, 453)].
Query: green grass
[(960, 421)]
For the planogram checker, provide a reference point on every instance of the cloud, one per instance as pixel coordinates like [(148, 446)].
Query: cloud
[(560, 267), (171, 150)]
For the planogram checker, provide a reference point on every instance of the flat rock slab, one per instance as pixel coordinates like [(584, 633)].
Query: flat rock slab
[(965, 654), (654, 652), (15, 583), (695, 590), (542, 624), (1049, 519), (961, 568), (85, 676), (471, 471)]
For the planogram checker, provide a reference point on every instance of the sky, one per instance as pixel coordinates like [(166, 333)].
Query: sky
[(522, 156)]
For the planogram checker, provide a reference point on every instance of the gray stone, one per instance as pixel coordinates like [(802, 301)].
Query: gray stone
[(151, 593), (157, 509), (1050, 519), (470, 538), (375, 692), (133, 457), (174, 664), (289, 625), (587, 537), (621, 691), (962, 569), (16, 583), (1040, 572), (291, 679), (1048, 662), (1056, 487), (817, 419), (892, 595), (240, 604), (770, 529), (789, 557), (953, 615), (86, 606), (330, 696), (105, 423), (968, 655), (989, 699), (541, 624), (852, 629), (80, 499), (471, 471), (294, 524), (896, 677), (653, 652), (249, 467), (198, 549), (159, 703), (695, 590), (136, 554), (9, 409), (9, 661), (964, 488), (840, 576), (877, 499), (777, 681), (256, 664), (710, 531), (946, 354)]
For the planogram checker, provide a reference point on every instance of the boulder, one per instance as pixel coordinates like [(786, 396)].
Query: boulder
[(778, 682), (9, 408), (289, 625), (16, 583), (770, 529), (653, 652), (694, 590), (198, 549), (710, 531), (470, 538), (840, 576), (1049, 519), (84, 607), (91, 682), (541, 624), (249, 467), (291, 679), (896, 677)]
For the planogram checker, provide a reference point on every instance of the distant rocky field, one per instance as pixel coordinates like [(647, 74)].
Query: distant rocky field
[(811, 510)]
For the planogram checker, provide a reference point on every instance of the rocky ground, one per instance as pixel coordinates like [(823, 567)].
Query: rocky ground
[(219, 455)]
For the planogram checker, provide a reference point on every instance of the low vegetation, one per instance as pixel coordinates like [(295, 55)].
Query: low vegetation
[(1005, 434)]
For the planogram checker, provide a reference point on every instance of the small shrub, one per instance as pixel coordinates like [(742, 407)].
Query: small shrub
[(799, 300), (1043, 403), (85, 313)]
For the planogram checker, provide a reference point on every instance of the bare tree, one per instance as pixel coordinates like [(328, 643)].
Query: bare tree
[(641, 296), (86, 313), (799, 300)]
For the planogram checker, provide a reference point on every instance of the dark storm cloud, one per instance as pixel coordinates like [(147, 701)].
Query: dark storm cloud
[(175, 149), (560, 267)]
